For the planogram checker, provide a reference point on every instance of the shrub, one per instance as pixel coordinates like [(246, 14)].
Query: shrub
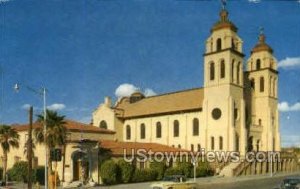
[(173, 171), (202, 170), (108, 172), (186, 168), (125, 171), (159, 168), (40, 175), (144, 175), (19, 172)]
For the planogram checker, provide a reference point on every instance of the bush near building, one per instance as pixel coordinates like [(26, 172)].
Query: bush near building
[(126, 171), (113, 172), (19, 173), (144, 175), (160, 168), (109, 172)]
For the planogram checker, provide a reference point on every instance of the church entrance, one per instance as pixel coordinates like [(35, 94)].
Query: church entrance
[(80, 166)]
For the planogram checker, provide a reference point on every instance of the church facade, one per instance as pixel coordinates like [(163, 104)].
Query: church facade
[(235, 110)]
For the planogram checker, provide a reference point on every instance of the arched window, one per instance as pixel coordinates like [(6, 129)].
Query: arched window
[(237, 142), (199, 148), (212, 143), (192, 147), (257, 145), (238, 73), (221, 143), (196, 127), (176, 128), (219, 44), (252, 83), (103, 124), (258, 64), (212, 71), (259, 122), (158, 130), (222, 69), (232, 44), (262, 84), (143, 131), (232, 70), (274, 87), (128, 132), (179, 146)]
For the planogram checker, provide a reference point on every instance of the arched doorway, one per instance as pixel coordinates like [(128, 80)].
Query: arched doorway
[(80, 164)]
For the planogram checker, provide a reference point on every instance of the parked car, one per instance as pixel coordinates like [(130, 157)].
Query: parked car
[(290, 183), (174, 182)]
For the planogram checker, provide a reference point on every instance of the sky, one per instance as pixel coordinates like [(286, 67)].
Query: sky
[(84, 50)]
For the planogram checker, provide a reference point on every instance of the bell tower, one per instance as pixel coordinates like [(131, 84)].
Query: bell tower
[(223, 87), (262, 76)]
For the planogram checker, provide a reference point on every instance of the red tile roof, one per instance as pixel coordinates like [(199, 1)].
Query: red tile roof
[(117, 148), (71, 125)]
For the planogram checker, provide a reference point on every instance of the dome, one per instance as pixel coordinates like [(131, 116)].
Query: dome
[(262, 45), (224, 22)]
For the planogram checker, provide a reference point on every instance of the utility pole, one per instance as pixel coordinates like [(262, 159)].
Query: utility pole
[(29, 149)]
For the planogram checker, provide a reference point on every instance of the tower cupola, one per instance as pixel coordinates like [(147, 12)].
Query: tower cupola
[(262, 45)]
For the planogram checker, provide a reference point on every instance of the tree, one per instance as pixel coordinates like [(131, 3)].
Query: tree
[(9, 138), (56, 133)]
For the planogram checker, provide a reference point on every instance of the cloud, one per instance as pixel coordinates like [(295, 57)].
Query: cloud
[(254, 1), (125, 90), (25, 106), (149, 92), (56, 107), (285, 107), (4, 1), (289, 62)]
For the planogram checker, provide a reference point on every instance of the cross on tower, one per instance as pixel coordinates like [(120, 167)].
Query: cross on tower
[(223, 4), (261, 30)]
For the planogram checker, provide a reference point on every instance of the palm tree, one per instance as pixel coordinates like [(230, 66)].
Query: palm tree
[(9, 138), (55, 135)]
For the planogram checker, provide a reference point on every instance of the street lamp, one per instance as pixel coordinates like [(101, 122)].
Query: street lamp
[(43, 93)]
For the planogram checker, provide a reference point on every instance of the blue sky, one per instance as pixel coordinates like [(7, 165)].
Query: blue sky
[(83, 50)]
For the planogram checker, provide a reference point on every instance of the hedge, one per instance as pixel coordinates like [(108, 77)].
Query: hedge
[(143, 175), (108, 171), (159, 168), (19, 173), (126, 171)]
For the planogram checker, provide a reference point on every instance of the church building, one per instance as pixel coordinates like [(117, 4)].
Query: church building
[(235, 110)]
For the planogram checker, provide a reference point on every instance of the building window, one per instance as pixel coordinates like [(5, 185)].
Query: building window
[(232, 70), (179, 146), (238, 73), (258, 64), (219, 44), (128, 132), (222, 69), (143, 131), (192, 147), (198, 147), (262, 84), (212, 143), (35, 162), (212, 71), (158, 130), (196, 127), (221, 143), (103, 124), (259, 122), (252, 84), (176, 128)]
